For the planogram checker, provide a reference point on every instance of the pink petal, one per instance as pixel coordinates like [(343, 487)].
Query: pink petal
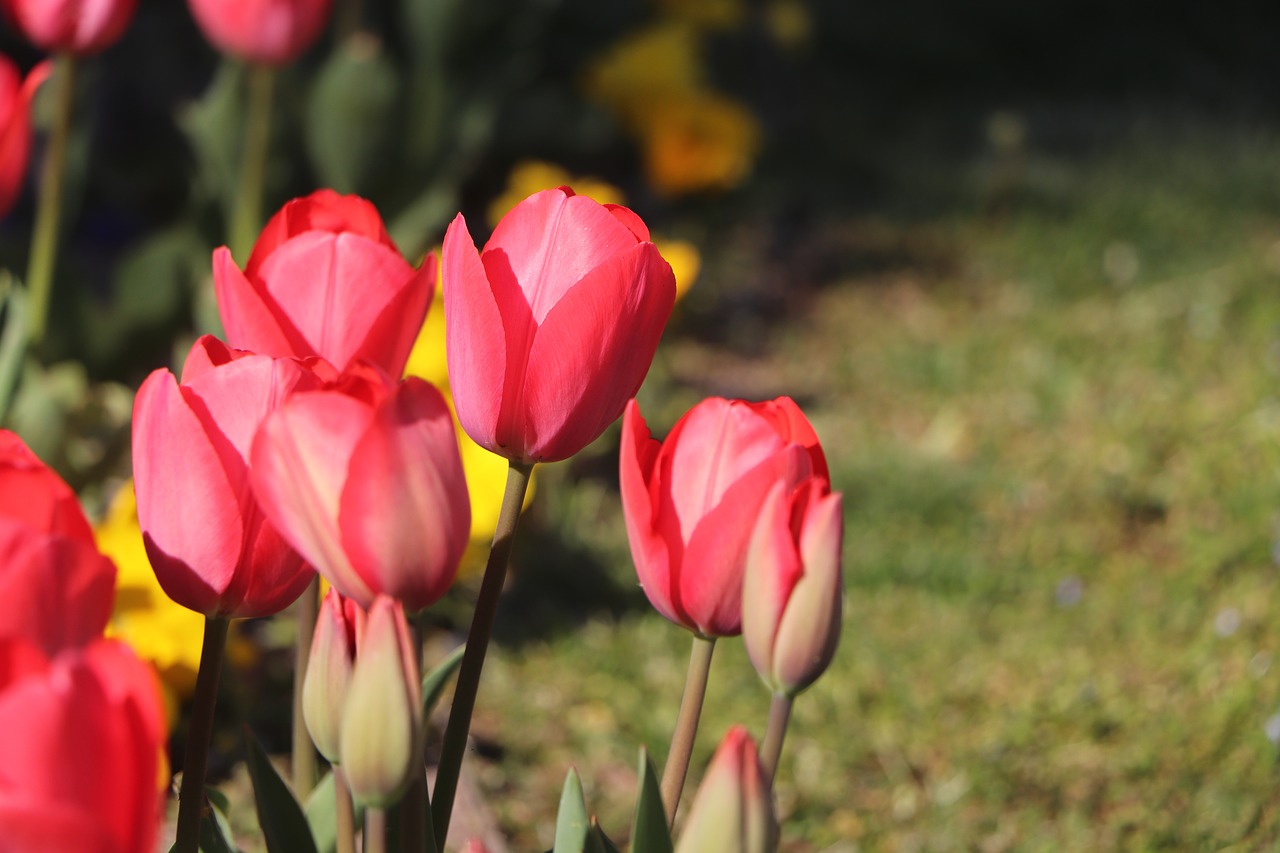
[(405, 516), (772, 568), (393, 333), (475, 330), (251, 318), (648, 549)]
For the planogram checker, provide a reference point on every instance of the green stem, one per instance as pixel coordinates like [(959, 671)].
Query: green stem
[(771, 749), (304, 752), (344, 813), (44, 240), (464, 696), (695, 690), (246, 221), (196, 760), (375, 831), (413, 806)]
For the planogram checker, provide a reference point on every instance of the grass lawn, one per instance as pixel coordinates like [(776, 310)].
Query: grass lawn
[(1055, 423)]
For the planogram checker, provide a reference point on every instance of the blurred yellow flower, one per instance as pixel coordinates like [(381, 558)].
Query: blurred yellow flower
[(685, 260), (706, 14), (640, 69), (166, 634), (699, 140), (486, 472)]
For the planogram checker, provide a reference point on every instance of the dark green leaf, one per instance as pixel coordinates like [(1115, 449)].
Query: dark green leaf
[(649, 831), (433, 683), (284, 825), (351, 114)]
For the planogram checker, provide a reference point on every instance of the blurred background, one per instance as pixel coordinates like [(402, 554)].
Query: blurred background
[(1018, 262)]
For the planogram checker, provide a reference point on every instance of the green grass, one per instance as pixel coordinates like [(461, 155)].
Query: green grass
[(1061, 502)]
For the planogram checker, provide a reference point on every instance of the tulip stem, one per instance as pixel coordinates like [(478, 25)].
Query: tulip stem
[(196, 759), (413, 805), (304, 752), (44, 239), (464, 695), (375, 831), (344, 814), (771, 750), (695, 690), (246, 220)]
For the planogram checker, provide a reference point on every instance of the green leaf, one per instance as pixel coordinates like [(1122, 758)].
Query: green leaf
[(321, 816), (433, 683), (598, 842), (572, 822), (14, 339), (215, 127), (649, 831), (284, 825), (214, 830), (351, 115)]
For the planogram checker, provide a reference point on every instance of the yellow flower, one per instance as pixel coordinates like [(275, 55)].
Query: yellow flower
[(685, 260), (166, 634), (486, 472), (699, 141), (643, 67), (531, 176)]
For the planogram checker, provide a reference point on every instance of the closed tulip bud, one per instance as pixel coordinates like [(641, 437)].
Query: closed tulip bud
[(552, 328), (379, 744), (272, 32), (212, 549), (325, 279), (15, 127), (81, 735), (364, 479), (733, 809), (333, 655), (792, 595), (80, 27), (691, 502)]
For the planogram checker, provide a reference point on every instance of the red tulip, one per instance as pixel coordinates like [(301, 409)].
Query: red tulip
[(210, 546), (80, 27), (273, 32), (365, 480), (15, 126), (692, 501), (325, 280), (80, 738), (57, 588), (552, 328), (733, 809), (792, 593)]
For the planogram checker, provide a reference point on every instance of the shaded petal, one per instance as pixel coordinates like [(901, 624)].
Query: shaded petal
[(391, 336), (250, 317), (637, 456), (809, 629)]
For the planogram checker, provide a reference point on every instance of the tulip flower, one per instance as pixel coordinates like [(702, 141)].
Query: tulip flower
[(381, 727), (15, 127), (272, 32), (733, 809), (791, 598), (364, 479), (57, 587), (81, 737), (552, 328), (691, 502), (212, 549), (79, 27), (325, 279), (325, 685)]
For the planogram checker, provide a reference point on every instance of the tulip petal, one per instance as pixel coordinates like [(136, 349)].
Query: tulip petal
[(193, 534), (808, 630), (322, 210), (549, 242), (391, 336), (791, 422), (637, 456), (772, 568), (251, 319), (300, 461), (410, 482), (476, 351), (33, 493), (592, 352)]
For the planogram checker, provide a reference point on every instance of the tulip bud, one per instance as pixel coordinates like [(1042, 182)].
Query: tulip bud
[(382, 717), (733, 809), (792, 593), (333, 654), (78, 27), (475, 845)]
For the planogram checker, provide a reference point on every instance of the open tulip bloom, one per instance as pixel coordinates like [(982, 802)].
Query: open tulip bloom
[(553, 326)]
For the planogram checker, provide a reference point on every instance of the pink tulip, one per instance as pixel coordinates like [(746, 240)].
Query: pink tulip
[(365, 480), (57, 588), (272, 32), (15, 127), (733, 809), (325, 279), (80, 738), (212, 549), (792, 594), (692, 501), (552, 328), (80, 27)]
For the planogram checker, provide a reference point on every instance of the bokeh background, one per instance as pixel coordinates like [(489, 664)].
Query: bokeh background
[(1021, 265)]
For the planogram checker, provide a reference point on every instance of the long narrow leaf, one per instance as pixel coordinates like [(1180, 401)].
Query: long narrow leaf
[(572, 822), (284, 825), (433, 683), (649, 832)]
